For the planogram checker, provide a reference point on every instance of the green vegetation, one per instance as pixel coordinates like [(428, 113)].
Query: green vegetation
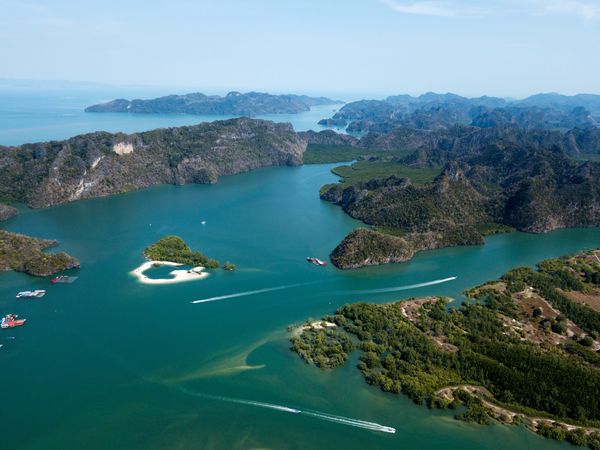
[(365, 170), (443, 213), (588, 157), (556, 276), (50, 173), (475, 411), (324, 347), (370, 247), (230, 267), (174, 249), (366, 245), (490, 228), (459, 184), (25, 254), (325, 153), (419, 347)]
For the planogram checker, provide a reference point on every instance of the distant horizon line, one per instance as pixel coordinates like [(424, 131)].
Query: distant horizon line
[(219, 90)]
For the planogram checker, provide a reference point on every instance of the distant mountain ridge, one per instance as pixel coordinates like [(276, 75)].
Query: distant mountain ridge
[(234, 103), (433, 111)]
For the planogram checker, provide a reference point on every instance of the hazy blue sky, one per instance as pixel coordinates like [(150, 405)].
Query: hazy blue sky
[(496, 47)]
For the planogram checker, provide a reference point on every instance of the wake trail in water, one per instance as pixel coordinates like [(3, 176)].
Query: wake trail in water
[(350, 422), (402, 288), (310, 413), (258, 291)]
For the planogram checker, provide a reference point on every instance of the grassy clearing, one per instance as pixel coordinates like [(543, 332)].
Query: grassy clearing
[(362, 171), (325, 154), (588, 157), (490, 228)]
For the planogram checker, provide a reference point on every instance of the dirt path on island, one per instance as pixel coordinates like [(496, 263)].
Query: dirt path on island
[(505, 415)]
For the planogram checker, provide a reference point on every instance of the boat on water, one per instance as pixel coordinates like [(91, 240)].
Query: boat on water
[(62, 279), (11, 321), (316, 261), (38, 293), (57, 279)]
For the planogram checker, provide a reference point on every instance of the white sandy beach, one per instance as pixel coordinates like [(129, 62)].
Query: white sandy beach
[(196, 273), (316, 325)]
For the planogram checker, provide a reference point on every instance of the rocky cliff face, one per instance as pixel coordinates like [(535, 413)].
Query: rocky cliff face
[(99, 164), (6, 212), (554, 198)]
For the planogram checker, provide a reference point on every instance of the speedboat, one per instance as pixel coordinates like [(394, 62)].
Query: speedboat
[(38, 293), (316, 261)]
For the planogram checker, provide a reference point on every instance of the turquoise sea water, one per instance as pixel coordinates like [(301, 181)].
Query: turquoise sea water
[(109, 363), (33, 115)]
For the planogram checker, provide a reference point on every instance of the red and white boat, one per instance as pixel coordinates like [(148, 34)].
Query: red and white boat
[(11, 321), (316, 261), (57, 279)]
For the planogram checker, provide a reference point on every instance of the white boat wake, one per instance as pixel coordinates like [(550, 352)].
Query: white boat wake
[(307, 412), (350, 422), (258, 291), (402, 288), (289, 286)]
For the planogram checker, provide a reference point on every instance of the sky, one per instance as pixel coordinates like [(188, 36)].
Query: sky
[(371, 47)]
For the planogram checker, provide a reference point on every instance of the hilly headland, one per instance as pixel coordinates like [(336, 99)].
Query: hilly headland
[(423, 185), (99, 164)]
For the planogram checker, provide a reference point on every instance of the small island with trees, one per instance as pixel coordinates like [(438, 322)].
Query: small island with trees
[(228, 266), (173, 251), (521, 349)]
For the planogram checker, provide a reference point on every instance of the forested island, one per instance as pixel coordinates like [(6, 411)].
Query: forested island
[(99, 164), (234, 103), (26, 254), (522, 349), (174, 249)]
